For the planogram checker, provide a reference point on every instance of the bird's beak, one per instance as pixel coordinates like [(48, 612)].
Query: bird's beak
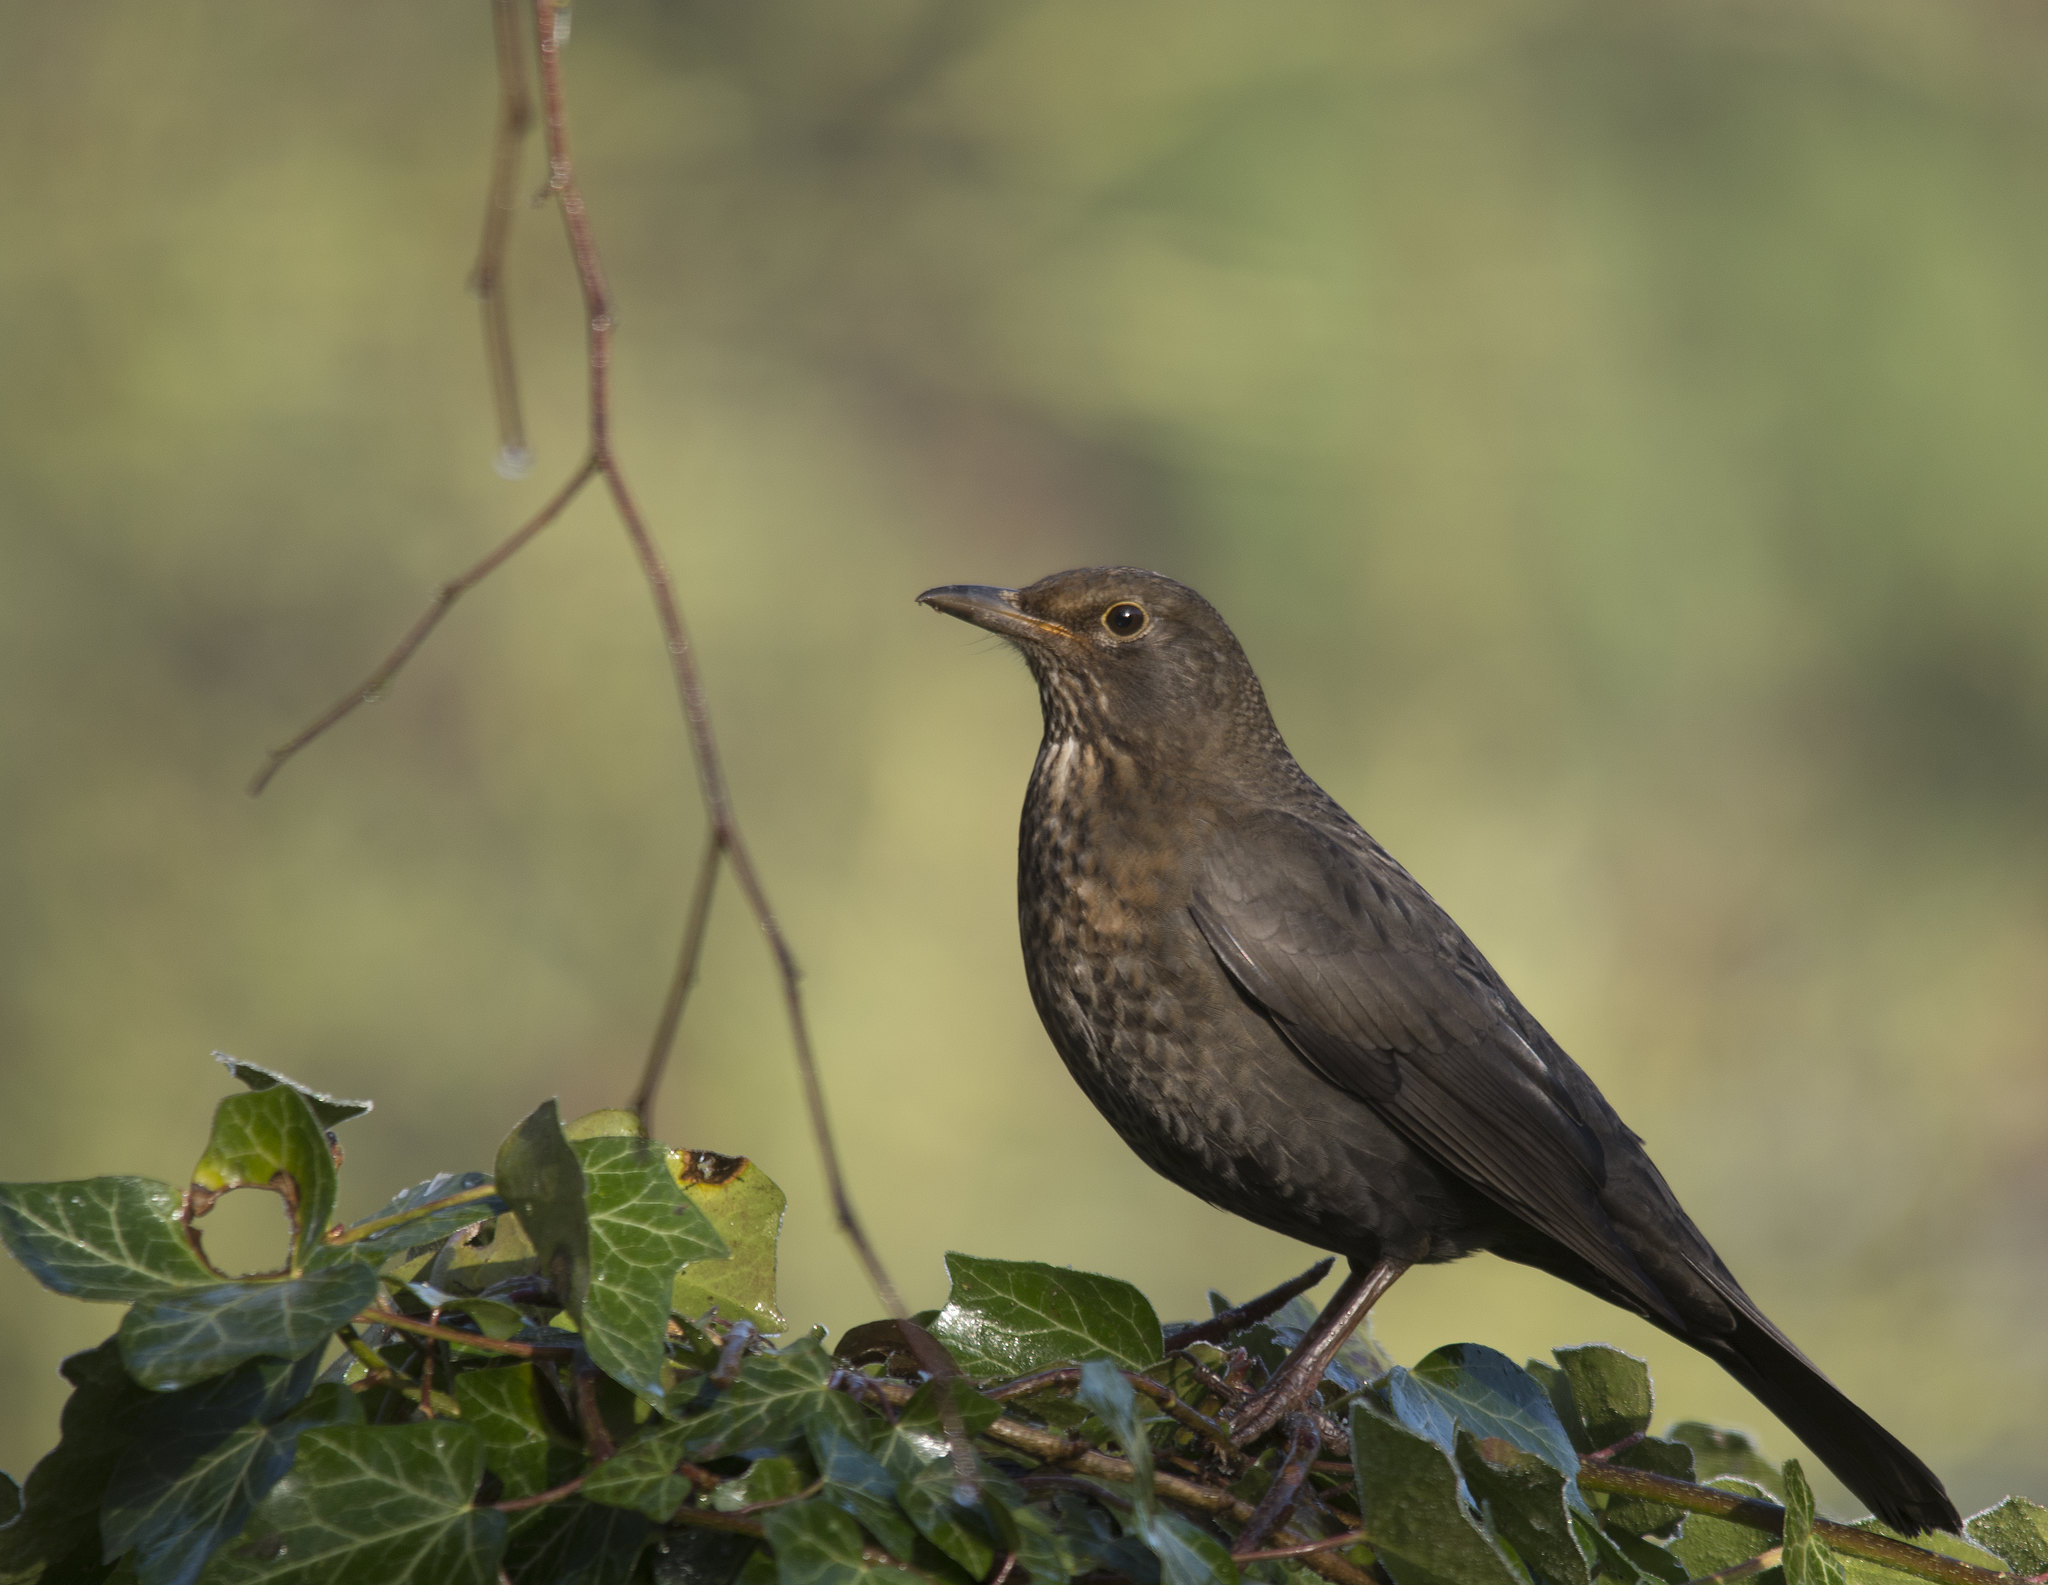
[(994, 609)]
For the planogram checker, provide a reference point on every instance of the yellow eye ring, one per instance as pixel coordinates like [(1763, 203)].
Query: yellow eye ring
[(1125, 619)]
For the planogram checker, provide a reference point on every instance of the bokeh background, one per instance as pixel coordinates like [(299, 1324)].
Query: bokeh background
[(1615, 428)]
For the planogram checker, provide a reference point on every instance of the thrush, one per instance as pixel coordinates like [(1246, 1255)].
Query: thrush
[(1275, 1015)]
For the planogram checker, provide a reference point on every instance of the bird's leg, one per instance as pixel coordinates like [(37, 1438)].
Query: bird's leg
[(1295, 1382)]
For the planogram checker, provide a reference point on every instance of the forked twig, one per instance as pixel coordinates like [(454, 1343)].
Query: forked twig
[(725, 844)]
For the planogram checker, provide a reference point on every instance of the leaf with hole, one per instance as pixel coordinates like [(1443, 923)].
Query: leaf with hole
[(271, 1139)]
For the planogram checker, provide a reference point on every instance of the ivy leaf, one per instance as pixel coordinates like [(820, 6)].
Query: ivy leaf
[(539, 1176), (113, 1240), (271, 1139), (744, 1207), (385, 1503), (642, 1230), (856, 1483), (1187, 1554), (699, 1557), (184, 1337), (433, 1225), (1640, 1515), (1489, 1395), (2015, 1532), (578, 1543), (776, 1396), (523, 1446), (816, 1544), (329, 1109), (1524, 1498), (1408, 1496), (1708, 1545), (1807, 1558), (204, 1457), (642, 1474), (1716, 1452), (929, 1493), (1607, 1397), (1012, 1317), (57, 1533)]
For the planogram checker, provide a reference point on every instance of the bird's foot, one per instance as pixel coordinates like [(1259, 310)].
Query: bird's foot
[(1292, 1389)]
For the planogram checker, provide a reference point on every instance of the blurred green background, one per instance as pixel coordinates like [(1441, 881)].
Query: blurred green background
[(1613, 426)]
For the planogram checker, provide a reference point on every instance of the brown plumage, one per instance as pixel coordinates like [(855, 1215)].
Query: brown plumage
[(1274, 1014)]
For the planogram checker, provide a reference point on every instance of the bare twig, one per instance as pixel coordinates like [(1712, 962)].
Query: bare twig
[(1329, 1543), (679, 983), (724, 839), (540, 1499), (1742, 1570), (1304, 1443), (501, 203), (362, 1230), (1226, 1322), (1770, 1518), (449, 1334), (372, 687)]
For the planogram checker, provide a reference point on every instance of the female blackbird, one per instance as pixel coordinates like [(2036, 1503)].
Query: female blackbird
[(1275, 1015)]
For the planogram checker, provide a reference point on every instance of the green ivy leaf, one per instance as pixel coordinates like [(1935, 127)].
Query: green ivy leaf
[(1523, 1496), (184, 1337), (271, 1139), (523, 1446), (1639, 1515), (331, 1110), (383, 1503), (57, 1534), (703, 1557), (1489, 1395), (1187, 1554), (539, 1176), (1807, 1558), (204, 1457), (929, 1492), (1408, 1495), (579, 1543), (1012, 1317), (642, 1474), (816, 1544), (2015, 1532), (744, 1207), (432, 1225), (1716, 1452), (113, 1240), (1708, 1545), (776, 1397), (856, 1483), (643, 1228), (1609, 1395)]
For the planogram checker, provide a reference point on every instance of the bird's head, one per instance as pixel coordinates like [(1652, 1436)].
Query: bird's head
[(1122, 653)]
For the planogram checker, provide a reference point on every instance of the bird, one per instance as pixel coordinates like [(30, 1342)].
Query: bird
[(1276, 1016)]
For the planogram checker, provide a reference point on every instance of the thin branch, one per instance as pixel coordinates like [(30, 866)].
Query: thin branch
[(679, 984), (1302, 1447), (501, 204), (689, 683), (449, 1334), (1744, 1569), (1329, 1543), (539, 1499), (1226, 1322), (1770, 1518), (372, 687), (362, 1230)]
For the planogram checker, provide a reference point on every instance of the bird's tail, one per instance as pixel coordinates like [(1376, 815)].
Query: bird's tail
[(1880, 1469)]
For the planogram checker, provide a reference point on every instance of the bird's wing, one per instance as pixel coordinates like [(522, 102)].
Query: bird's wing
[(1382, 994)]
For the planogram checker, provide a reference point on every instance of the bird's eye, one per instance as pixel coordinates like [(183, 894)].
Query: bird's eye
[(1125, 620)]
